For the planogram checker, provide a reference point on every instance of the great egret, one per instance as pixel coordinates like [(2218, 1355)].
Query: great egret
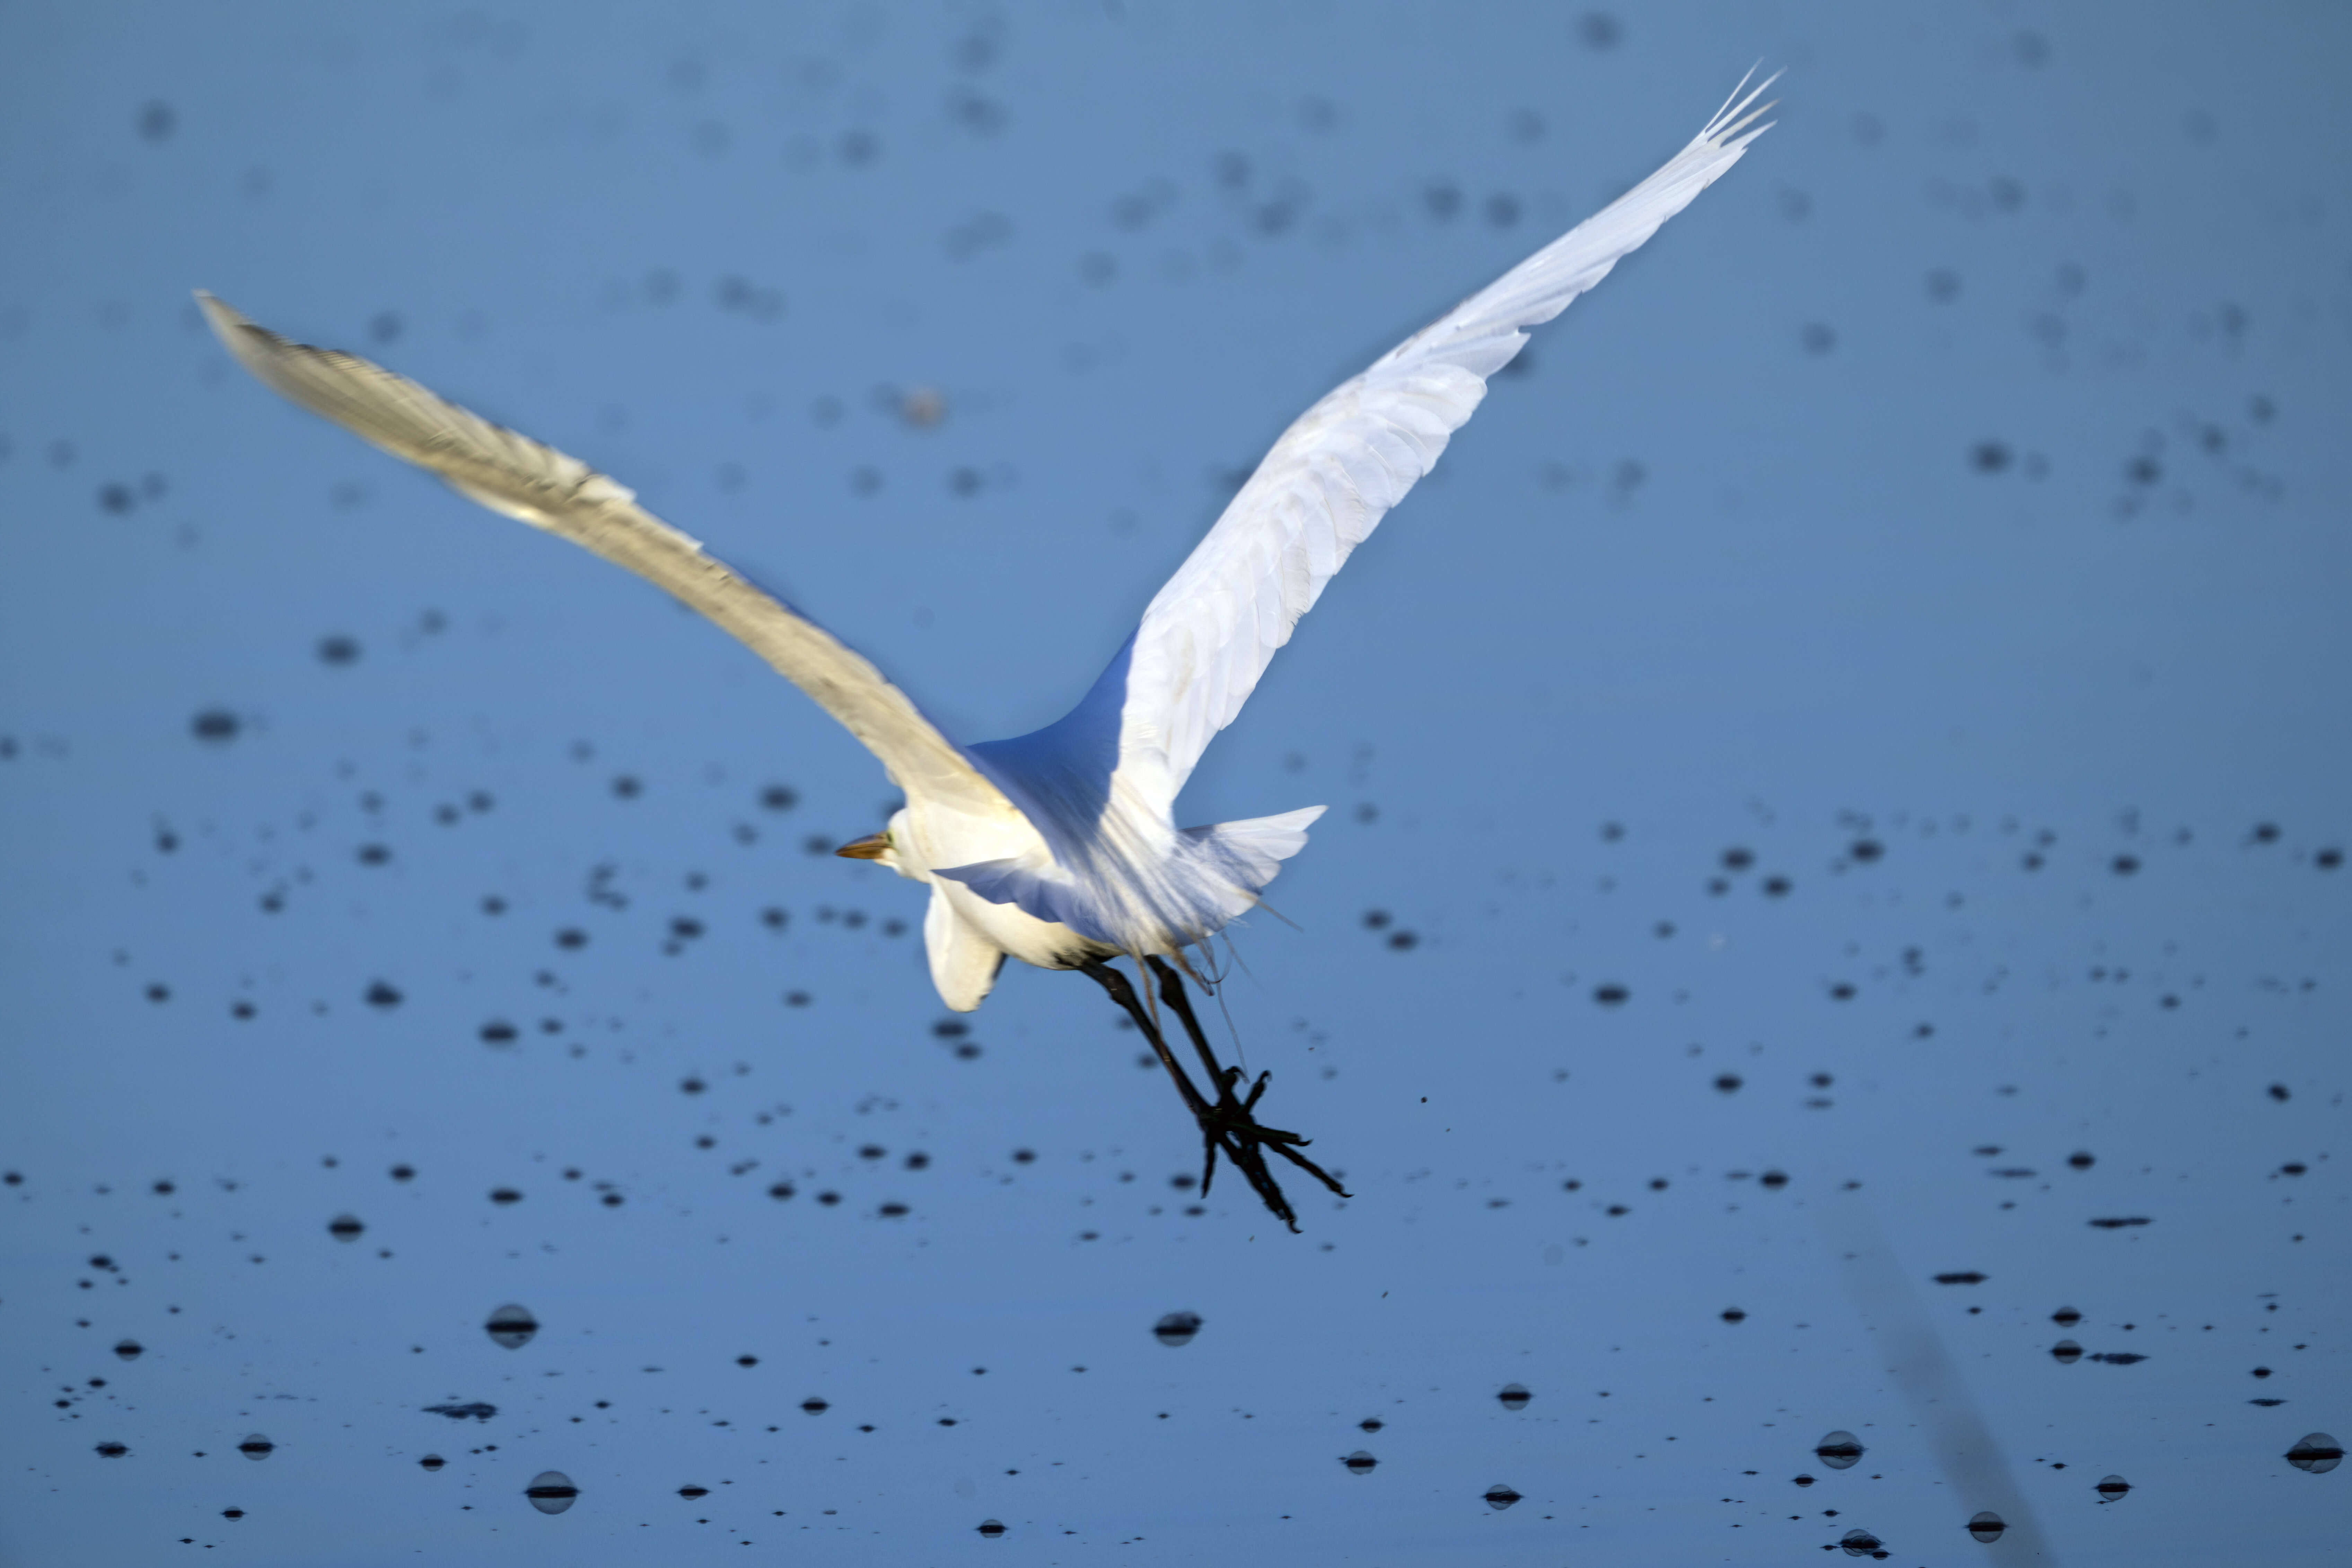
[(1061, 848)]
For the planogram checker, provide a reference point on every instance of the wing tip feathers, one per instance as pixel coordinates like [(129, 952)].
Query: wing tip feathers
[(1737, 116)]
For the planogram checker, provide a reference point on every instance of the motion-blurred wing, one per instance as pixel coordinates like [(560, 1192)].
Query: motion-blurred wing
[(514, 475), (1212, 630)]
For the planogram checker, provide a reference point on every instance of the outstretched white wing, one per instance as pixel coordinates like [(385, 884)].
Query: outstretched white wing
[(1210, 633), (536, 484)]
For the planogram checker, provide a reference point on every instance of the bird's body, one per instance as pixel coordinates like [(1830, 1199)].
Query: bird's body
[(1061, 848)]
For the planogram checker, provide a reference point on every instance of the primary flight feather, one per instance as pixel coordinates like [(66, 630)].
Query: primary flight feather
[(1060, 847)]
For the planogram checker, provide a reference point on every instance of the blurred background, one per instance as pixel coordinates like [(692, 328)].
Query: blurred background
[(1831, 922)]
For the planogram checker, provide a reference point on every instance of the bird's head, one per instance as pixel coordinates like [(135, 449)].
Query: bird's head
[(883, 847)]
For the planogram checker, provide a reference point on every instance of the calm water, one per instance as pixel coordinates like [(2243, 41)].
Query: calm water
[(1822, 971)]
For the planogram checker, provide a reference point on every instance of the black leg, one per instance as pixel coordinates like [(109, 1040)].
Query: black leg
[(1229, 1123), (1112, 981)]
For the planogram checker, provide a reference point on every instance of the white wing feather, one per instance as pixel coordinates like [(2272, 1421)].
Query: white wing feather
[(513, 474), (1210, 633)]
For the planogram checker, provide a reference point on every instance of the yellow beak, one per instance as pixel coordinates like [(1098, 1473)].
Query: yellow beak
[(873, 846)]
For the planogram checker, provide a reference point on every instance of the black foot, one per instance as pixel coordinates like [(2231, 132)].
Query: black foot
[(1226, 1123)]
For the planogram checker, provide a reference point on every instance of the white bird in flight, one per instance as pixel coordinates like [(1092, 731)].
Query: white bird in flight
[(1060, 847)]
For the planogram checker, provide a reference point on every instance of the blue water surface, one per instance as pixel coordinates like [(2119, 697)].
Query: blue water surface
[(1839, 782)]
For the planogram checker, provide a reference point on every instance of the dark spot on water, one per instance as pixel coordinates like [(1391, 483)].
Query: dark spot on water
[(1986, 1526), (1612, 995), (2066, 1317), (1840, 1450), (2328, 859), (511, 1325), (339, 649), (503, 1195), (477, 1409), (781, 1190), (498, 1032), (256, 1447), (1022, 1156), (1378, 919), (431, 1462), (1963, 1277), (156, 121), (1774, 1179), (2119, 1221), (1499, 1497), (1734, 1315), (2113, 1489), (2125, 865), (1861, 1544), (552, 1492), (2316, 1454), (1177, 1328), (1599, 30), (381, 995), (627, 787), (2066, 1352), (214, 726), (1736, 858), (1404, 940), (1360, 1463), (345, 1228), (2082, 1160), (374, 854), (1989, 457), (1513, 1397), (741, 297), (991, 1528), (815, 1405), (113, 1450), (1729, 1083)]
